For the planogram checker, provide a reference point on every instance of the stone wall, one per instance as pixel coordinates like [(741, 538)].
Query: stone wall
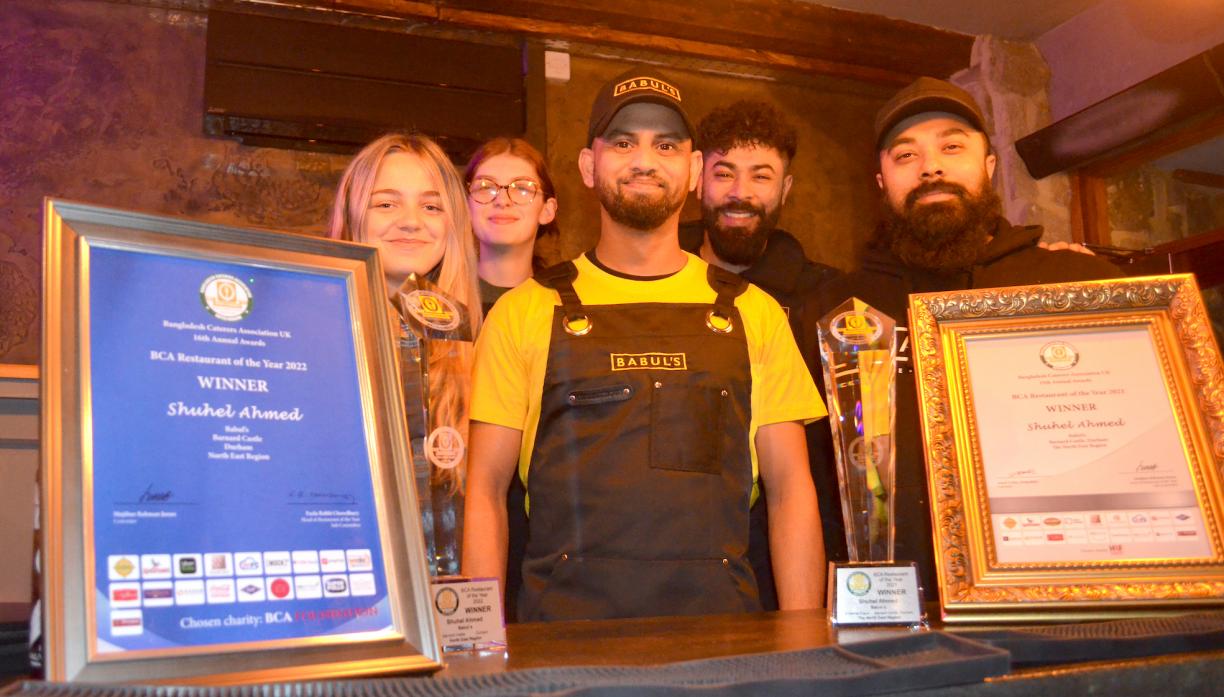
[(1148, 206), (1010, 81)]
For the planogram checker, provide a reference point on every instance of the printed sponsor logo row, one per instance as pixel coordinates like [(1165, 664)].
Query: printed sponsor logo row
[(148, 567), (1098, 528), (214, 591)]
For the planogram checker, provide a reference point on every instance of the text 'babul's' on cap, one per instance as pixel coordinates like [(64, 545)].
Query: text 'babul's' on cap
[(630, 87)]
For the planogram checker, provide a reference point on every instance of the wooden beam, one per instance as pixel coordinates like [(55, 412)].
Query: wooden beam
[(782, 34), (1079, 228), (1202, 255), (18, 371), (1193, 176), (1131, 125), (1091, 202), (783, 26), (760, 57), (1166, 142)]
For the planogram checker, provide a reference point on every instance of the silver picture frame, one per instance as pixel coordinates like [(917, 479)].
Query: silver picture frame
[(409, 643)]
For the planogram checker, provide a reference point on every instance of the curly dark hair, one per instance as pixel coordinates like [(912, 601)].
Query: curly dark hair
[(746, 123)]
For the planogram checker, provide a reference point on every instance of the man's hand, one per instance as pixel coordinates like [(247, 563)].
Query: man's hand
[(491, 463), (796, 542), (1072, 246)]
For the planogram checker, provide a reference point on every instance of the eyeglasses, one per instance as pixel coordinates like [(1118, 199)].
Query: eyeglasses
[(519, 191)]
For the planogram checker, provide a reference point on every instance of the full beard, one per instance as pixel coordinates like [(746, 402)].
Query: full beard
[(637, 211), (740, 246), (944, 235)]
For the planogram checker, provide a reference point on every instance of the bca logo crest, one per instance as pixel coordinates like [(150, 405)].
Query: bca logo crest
[(226, 297), (858, 583), (857, 328), (432, 309), (1059, 355)]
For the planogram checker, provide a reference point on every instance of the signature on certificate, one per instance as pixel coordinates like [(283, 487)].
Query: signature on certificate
[(152, 495), (1020, 474), (1145, 466), (304, 496)]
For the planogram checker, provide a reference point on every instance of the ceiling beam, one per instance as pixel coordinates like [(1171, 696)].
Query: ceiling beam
[(782, 34), (1193, 176)]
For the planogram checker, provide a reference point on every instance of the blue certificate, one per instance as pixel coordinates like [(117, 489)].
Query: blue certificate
[(231, 483)]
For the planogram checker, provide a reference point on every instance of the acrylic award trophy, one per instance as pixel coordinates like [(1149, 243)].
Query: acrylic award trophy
[(859, 352), (433, 327), (433, 330)]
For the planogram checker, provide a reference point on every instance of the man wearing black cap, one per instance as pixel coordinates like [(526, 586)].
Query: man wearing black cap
[(942, 229), (640, 392)]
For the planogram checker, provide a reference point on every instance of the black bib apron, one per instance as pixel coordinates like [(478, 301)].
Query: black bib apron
[(640, 475)]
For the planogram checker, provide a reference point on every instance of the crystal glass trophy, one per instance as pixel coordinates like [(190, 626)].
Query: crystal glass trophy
[(434, 330), (858, 349)]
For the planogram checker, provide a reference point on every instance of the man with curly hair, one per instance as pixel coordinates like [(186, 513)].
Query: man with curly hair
[(747, 148)]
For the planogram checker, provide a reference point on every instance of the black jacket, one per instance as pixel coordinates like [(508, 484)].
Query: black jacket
[(785, 272), (782, 270), (1011, 258)]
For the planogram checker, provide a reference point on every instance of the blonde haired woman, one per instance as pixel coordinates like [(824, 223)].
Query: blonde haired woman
[(402, 195)]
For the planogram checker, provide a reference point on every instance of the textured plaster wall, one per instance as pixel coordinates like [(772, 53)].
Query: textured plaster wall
[(103, 103), (1010, 81)]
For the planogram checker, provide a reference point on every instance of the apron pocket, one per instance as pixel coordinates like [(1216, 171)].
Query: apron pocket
[(605, 588), (599, 395), (686, 427)]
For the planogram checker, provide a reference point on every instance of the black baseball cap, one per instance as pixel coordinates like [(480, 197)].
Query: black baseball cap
[(631, 87), (923, 95)]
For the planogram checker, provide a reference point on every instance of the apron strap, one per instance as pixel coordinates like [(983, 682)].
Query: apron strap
[(729, 286), (560, 277)]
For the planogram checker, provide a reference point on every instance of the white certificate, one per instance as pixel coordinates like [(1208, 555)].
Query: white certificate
[(1080, 448)]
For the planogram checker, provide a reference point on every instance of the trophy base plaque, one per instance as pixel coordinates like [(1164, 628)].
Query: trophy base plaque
[(875, 594), (468, 613)]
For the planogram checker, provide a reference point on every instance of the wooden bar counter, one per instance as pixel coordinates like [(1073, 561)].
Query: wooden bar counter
[(654, 641), (640, 642), (648, 641)]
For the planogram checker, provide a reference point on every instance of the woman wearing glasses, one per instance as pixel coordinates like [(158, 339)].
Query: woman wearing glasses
[(511, 200)]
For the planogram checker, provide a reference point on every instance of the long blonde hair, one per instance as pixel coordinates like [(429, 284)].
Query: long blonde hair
[(450, 362)]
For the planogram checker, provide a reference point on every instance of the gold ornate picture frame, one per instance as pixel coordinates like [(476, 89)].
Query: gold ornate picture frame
[(1074, 440), (227, 490)]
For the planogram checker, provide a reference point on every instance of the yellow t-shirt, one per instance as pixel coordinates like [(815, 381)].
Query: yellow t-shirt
[(512, 351)]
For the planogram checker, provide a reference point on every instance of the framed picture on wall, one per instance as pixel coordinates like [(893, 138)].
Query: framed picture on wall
[(1074, 437), (226, 478)]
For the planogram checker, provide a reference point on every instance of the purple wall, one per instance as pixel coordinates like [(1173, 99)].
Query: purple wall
[(1118, 43), (103, 103)]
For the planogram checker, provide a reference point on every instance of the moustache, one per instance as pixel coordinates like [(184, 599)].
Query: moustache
[(741, 207), (640, 178), (911, 199)]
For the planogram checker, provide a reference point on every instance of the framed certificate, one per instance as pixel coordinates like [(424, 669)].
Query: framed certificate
[(1074, 437), (226, 481)]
